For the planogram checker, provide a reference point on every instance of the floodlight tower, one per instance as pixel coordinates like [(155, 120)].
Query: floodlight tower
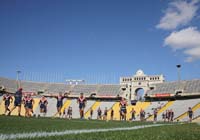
[(178, 71), (17, 79)]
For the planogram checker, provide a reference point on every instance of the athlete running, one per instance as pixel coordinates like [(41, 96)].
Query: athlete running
[(17, 102), (7, 100)]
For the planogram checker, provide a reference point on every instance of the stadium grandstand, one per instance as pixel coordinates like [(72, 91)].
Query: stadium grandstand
[(157, 94)]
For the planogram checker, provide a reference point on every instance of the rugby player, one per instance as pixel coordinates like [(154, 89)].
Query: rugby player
[(7, 100), (123, 111), (59, 105), (43, 106), (29, 102), (17, 102), (190, 114), (82, 102)]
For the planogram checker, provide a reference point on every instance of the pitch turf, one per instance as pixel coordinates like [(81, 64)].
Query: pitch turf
[(15, 125)]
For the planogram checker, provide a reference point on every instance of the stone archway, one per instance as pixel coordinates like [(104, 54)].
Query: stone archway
[(139, 93)]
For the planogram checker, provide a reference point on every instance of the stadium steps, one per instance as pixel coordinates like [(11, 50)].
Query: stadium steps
[(194, 108), (104, 105), (152, 106), (66, 105), (51, 107), (75, 109), (196, 119), (93, 107), (37, 110), (1, 105), (116, 111), (36, 104), (1, 99), (165, 107), (88, 106), (137, 108), (109, 111)]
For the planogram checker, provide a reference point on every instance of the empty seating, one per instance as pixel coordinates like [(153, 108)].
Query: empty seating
[(113, 90), (10, 85), (86, 89), (55, 88), (190, 86)]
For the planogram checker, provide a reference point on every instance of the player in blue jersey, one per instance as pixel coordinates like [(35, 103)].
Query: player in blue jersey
[(190, 114), (105, 114), (17, 102), (133, 112), (29, 102), (123, 111), (59, 105), (82, 102), (43, 105), (7, 100)]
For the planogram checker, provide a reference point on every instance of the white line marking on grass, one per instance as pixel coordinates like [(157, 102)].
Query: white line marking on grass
[(59, 133)]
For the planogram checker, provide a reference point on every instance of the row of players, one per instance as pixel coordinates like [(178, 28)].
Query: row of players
[(28, 102)]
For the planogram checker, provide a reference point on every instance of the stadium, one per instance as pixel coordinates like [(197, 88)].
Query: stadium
[(158, 95), (100, 69)]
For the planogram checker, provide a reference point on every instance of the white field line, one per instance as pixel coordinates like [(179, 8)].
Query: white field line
[(59, 133)]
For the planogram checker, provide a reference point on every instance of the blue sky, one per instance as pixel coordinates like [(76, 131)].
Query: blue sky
[(99, 40)]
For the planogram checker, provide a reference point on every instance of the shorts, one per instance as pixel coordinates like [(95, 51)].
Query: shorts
[(45, 109), (7, 103), (69, 113), (29, 106), (25, 106), (17, 103), (81, 106), (123, 110), (59, 105), (42, 106)]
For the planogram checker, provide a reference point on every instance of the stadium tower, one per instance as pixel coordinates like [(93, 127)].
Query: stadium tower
[(139, 82)]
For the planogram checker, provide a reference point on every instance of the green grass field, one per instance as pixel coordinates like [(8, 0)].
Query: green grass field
[(15, 125)]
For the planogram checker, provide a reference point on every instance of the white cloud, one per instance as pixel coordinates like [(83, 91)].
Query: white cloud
[(194, 54), (178, 13), (186, 40)]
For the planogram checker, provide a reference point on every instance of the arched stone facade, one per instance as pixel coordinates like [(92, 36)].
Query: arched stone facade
[(137, 81)]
